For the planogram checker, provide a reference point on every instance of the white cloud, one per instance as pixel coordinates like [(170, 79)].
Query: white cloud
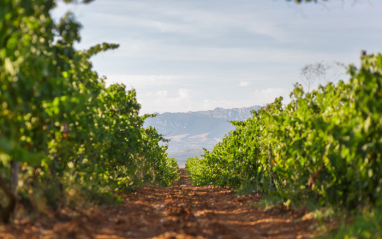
[(266, 96), (162, 101), (153, 51), (185, 100), (186, 55), (184, 93), (180, 18), (244, 83), (162, 93), (159, 25), (138, 81)]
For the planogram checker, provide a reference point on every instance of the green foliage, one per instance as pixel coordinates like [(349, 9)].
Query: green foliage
[(367, 224), (325, 145), (195, 170), (57, 118)]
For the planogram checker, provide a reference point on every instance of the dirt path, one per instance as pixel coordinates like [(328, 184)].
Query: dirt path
[(181, 211)]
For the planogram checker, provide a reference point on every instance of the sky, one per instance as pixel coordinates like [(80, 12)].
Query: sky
[(182, 55)]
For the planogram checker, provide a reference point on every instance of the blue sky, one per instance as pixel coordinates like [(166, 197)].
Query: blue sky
[(183, 55)]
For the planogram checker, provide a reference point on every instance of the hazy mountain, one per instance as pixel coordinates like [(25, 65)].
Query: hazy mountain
[(192, 131)]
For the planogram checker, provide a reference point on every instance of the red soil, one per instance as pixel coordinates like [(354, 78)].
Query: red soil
[(180, 211)]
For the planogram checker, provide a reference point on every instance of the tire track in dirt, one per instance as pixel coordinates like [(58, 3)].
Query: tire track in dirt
[(181, 211)]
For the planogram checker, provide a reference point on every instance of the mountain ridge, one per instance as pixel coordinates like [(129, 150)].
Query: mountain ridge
[(190, 132)]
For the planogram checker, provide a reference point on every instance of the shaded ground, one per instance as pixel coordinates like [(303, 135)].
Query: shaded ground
[(180, 211)]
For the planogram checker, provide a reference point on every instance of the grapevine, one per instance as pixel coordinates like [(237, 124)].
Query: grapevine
[(325, 144), (59, 122)]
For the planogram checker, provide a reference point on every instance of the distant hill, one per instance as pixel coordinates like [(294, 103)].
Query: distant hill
[(192, 131)]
